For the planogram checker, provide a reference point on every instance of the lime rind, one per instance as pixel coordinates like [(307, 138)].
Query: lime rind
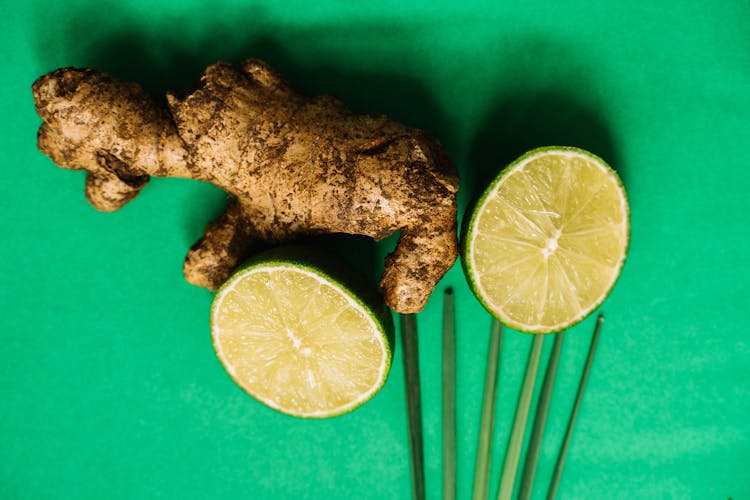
[(322, 267), (468, 234)]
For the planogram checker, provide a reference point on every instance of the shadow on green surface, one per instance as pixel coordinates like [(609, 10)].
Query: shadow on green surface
[(526, 121), (172, 56)]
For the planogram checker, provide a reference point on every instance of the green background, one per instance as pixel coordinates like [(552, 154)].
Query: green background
[(109, 385)]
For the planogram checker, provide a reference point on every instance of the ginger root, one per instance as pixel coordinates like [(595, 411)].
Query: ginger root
[(295, 166)]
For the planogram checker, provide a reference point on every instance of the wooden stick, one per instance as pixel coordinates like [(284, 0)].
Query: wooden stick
[(413, 402), (537, 433), (449, 396), (513, 452), (555, 482), (487, 422)]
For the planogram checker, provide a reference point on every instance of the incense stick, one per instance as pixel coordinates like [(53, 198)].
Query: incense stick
[(513, 452), (540, 419), (449, 396), (413, 401), (486, 425), (555, 482)]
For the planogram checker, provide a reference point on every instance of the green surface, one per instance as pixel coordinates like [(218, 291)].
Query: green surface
[(110, 387)]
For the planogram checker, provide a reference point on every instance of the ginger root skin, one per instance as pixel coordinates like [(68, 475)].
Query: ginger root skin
[(296, 167)]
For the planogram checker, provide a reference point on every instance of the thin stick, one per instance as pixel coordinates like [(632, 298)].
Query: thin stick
[(413, 402), (542, 408), (487, 422), (555, 482), (449, 395), (513, 452)]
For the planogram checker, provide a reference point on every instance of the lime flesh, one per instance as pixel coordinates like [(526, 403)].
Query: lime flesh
[(298, 340), (547, 239)]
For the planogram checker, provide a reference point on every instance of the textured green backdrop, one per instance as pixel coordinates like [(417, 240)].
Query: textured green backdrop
[(109, 385)]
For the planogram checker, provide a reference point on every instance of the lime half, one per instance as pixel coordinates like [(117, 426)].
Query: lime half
[(297, 339), (547, 240)]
